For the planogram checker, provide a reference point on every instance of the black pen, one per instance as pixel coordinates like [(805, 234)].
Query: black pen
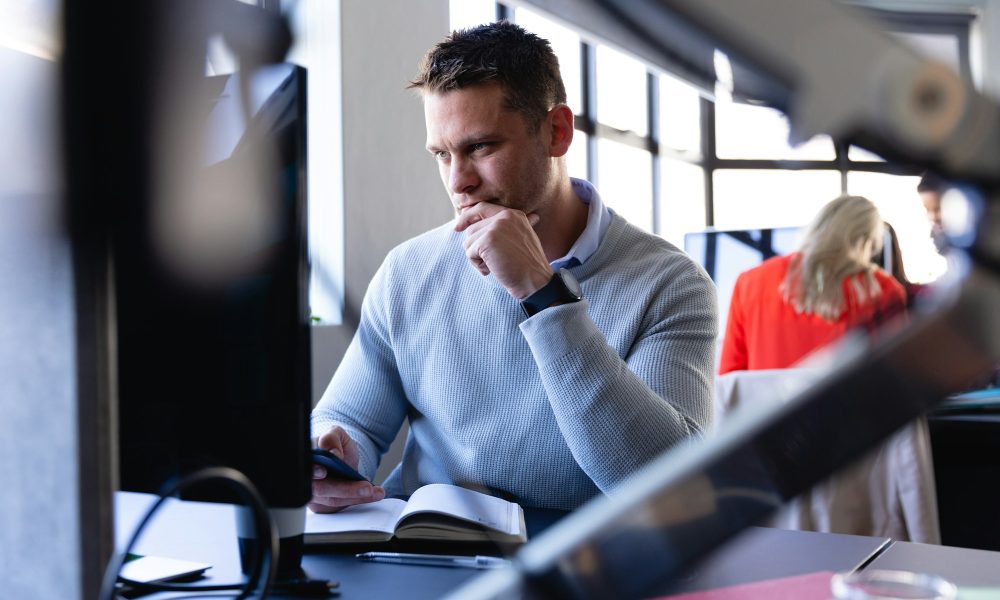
[(436, 560)]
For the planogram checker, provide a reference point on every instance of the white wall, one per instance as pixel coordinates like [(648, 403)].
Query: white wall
[(40, 521), (391, 187)]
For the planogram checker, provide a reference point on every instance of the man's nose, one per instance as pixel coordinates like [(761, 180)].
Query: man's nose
[(462, 178)]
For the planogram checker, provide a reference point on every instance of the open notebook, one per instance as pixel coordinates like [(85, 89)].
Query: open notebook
[(436, 511)]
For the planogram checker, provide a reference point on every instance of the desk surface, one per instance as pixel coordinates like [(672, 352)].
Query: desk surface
[(961, 566), (763, 553), (207, 533)]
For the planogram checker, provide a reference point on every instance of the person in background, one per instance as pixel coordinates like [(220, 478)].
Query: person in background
[(789, 306), (541, 347), (930, 187), (896, 268)]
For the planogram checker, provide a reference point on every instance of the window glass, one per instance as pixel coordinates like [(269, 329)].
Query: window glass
[(680, 116), (31, 27), (576, 158), (859, 154), (682, 200), (469, 13), (621, 91), (757, 132), (625, 177), (899, 203), (746, 199), (566, 45), (316, 25)]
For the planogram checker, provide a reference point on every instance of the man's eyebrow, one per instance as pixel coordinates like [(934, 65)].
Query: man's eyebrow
[(475, 138), (468, 140)]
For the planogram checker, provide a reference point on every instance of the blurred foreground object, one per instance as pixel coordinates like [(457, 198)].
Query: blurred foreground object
[(834, 73)]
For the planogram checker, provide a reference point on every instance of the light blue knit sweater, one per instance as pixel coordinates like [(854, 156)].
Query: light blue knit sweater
[(549, 410)]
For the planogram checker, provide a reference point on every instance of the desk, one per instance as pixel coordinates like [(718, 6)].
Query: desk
[(206, 532), (961, 566), (965, 442), (762, 553)]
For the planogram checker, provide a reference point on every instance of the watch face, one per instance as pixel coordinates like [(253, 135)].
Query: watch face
[(571, 283)]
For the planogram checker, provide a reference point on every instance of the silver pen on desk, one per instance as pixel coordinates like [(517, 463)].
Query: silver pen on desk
[(435, 560)]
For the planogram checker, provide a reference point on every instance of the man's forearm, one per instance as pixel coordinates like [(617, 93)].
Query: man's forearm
[(616, 415)]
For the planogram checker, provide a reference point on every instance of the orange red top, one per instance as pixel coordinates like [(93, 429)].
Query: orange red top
[(763, 331)]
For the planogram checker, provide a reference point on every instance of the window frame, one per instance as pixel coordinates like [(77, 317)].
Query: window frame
[(957, 24)]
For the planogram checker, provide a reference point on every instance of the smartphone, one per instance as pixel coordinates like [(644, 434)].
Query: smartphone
[(157, 569), (335, 465)]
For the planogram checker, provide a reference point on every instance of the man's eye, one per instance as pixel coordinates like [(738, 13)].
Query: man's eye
[(478, 147), (441, 155)]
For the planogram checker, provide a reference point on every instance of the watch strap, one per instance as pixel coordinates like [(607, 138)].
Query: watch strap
[(554, 291)]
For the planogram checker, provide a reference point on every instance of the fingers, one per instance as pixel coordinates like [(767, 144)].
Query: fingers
[(475, 218), (477, 213), (330, 495), (465, 219), (333, 440), (333, 489), (502, 242), (472, 252), (329, 505), (480, 235), (337, 441)]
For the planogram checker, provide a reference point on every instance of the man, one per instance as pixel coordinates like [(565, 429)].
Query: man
[(548, 409), (930, 187)]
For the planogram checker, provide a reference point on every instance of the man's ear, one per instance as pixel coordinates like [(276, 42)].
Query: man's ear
[(560, 124)]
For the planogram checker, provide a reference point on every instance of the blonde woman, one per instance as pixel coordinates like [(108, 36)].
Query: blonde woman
[(788, 306)]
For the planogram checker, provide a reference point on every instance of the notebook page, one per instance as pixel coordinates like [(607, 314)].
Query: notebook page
[(374, 516), (488, 511)]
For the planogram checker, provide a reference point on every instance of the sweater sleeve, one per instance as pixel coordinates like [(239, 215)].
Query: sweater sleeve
[(366, 395), (618, 413), (734, 356)]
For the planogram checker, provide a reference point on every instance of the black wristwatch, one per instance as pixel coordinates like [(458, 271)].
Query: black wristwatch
[(563, 287)]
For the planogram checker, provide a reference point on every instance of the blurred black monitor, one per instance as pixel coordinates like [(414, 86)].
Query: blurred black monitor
[(218, 372)]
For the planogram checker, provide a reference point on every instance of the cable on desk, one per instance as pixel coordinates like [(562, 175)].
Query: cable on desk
[(265, 561)]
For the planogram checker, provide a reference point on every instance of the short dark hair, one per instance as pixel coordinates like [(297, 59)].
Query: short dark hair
[(930, 182), (504, 53)]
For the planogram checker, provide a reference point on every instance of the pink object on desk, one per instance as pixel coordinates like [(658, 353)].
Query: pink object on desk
[(811, 586)]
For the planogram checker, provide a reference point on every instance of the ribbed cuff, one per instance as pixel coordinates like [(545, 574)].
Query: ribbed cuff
[(558, 330)]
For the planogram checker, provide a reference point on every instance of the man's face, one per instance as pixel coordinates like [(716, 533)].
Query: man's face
[(932, 204), (486, 153)]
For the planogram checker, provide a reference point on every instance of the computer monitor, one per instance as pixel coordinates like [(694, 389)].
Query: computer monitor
[(213, 336), (724, 254)]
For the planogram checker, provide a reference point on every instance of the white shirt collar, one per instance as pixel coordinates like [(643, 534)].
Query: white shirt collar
[(598, 221)]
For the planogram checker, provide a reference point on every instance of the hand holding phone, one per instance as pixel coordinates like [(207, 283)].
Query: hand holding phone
[(335, 466), (338, 485)]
